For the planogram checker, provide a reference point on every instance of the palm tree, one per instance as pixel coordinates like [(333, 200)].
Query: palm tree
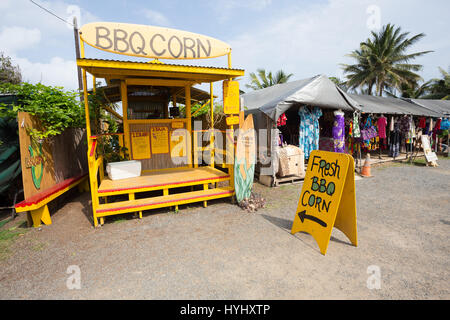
[(341, 84), (263, 80), (382, 62), (411, 90), (440, 88)]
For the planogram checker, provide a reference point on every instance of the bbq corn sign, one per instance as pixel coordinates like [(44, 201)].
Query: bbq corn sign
[(327, 198), (151, 42)]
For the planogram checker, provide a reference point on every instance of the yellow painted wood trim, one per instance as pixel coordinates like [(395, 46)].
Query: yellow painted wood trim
[(158, 82), (167, 204), (150, 121), (168, 186), (126, 128), (50, 198), (158, 67)]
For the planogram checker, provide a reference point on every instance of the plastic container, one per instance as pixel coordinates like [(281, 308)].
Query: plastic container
[(123, 169)]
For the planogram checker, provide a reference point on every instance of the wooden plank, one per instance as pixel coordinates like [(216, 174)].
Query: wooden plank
[(163, 201), (161, 180), (50, 194)]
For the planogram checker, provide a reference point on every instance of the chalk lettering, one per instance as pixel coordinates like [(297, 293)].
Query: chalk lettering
[(326, 169), (315, 201)]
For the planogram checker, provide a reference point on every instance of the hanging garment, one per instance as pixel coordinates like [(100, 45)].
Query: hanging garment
[(339, 133), (422, 122), (430, 128), (394, 141), (382, 122), (445, 124), (391, 125), (356, 130), (309, 129), (438, 124), (282, 120), (404, 124), (412, 129)]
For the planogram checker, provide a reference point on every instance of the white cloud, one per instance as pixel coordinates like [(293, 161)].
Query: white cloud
[(225, 8), (39, 42), (14, 39), (311, 39), (56, 72), (156, 17)]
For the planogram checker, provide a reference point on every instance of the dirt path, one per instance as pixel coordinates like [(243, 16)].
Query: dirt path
[(222, 252)]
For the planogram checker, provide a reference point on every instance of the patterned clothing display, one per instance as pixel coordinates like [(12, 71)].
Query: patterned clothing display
[(445, 124), (382, 122), (309, 129), (404, 124), (339, 133)]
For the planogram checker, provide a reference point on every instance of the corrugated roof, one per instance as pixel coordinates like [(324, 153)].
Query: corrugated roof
[(162, 63), (388, 105)]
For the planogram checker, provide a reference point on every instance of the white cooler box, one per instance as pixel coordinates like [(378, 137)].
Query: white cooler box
[(123, 169)]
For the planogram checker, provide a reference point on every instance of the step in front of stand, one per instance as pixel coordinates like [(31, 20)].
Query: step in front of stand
[(163, 201), (160, 180)]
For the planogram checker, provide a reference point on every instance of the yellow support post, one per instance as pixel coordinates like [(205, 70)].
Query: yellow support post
[(211, 138), (205, 187), (126, 132)]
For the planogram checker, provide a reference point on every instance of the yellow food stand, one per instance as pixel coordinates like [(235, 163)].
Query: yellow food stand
[(166, 146)]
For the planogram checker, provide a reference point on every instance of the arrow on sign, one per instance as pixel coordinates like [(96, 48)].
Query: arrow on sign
[(302, 215)]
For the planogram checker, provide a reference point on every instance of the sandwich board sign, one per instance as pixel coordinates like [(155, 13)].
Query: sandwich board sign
[(327, 199), (429, 154)]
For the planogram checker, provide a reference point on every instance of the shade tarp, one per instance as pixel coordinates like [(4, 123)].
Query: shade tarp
[(388, 105), (316, 91), (441, 106)]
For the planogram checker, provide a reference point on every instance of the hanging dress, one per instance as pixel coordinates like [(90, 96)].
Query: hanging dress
[(339, 133), (309, 129)]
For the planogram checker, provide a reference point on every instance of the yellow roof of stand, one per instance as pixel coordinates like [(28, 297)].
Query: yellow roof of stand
[(115, 69)]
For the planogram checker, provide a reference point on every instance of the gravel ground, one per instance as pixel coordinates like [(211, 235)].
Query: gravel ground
[(222, 252)]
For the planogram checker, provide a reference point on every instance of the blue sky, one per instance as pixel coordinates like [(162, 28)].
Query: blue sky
[(302, 37)]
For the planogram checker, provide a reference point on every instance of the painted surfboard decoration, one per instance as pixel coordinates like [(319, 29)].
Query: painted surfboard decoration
[(151, 41), (245, 158)]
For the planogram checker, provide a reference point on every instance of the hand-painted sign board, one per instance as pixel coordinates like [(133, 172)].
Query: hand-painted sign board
[(231, 97), (159, 139), (245, 157), (429, 154), (151, 42), (232, 120), (140, 145), (327, 199)]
